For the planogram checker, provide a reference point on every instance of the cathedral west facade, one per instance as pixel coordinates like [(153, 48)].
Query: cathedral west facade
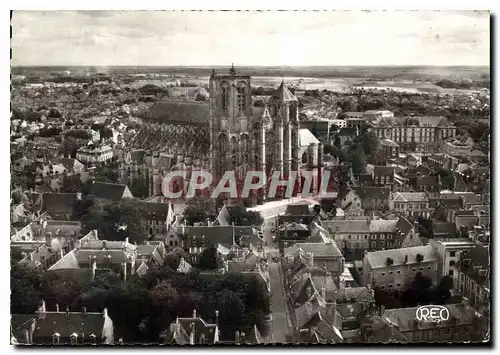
[(232, 135)]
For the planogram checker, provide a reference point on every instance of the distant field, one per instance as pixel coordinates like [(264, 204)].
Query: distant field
[(380, 72)]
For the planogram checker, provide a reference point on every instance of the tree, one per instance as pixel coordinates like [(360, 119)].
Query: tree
[(370, 143), (441, 292), (62, 289), (25, 289), (240, 216), (117, 220), (198, 209), (357, 159), (164, 300), (173, 258), (139, 188), (208, 259), (231, 311), (78, 133), (420, 292)]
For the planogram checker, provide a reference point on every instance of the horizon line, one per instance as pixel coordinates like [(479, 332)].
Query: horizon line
[(253, 66)]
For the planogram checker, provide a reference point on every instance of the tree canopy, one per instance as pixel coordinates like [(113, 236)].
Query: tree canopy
[(116, 220), (198, 209)]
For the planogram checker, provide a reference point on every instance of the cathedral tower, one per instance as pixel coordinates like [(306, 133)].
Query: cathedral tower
[(230, 123)]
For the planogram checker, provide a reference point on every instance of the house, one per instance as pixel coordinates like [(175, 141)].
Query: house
[(71, 165), (396, 268), (91, 154), (473, 278), (190, 331), (69, 328), (110, 191), (159, 218), (324, 255), (60, 206), (294, 231), (410, 203), (373, 197), (348, 197), (469, 199), (449, 253), (464, 324), (383, 175), (390, 149)]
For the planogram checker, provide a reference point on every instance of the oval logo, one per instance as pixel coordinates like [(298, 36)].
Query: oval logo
[(432, 313)]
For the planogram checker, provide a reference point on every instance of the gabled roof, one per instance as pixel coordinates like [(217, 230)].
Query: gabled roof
[(373, 192), (378, 259), (446, 228), (108, 191), (49, 323), (318, 249), (59, 202), (182, 112), (380, 170), (306, 138), (410, 197)]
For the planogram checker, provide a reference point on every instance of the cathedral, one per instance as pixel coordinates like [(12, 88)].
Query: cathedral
[(232, 135)]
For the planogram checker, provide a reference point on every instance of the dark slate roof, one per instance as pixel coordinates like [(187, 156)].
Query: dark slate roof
[(371, 192), (108, 191), (404, 225), (200, 328), (427, 181), (447, 228), (188, 113), (218, 234), (348, 131), (59, 202), (469, 198), (164, 162), (453, 203), (117, 256), (48, 323), (380, 170), (365, 178)]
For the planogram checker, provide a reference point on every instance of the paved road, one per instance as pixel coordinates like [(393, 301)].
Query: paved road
[(279, 327)]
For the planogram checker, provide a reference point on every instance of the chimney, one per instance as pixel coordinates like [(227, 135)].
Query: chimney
[(48, 239), (84, 311), (310, 259), (42, 306), (406, 258), (105, 313), (126, 241), (191, 335), (90, 261), (124, 271), (104, 245), (217, 317), (309, 292), (242, 337), (194, 313), (57, 307), (67, 310), (382, 311), (323, 293), (237, 337)]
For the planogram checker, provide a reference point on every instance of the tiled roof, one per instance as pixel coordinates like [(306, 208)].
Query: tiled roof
[(373, 192), (108, 191), (380, 170), (117, 256), (347, 226), (137, 156), (179, 112), (410, 196), (383, 226), (59, 202), (469, 198), (318, 249), (446, 228), (404, 318), (378, 259), (479, 257), (356, 294), (48, 323)]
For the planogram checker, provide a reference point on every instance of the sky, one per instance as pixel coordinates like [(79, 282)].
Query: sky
[(287, 38)]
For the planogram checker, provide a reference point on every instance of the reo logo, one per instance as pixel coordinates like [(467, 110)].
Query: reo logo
[(432, 313)]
